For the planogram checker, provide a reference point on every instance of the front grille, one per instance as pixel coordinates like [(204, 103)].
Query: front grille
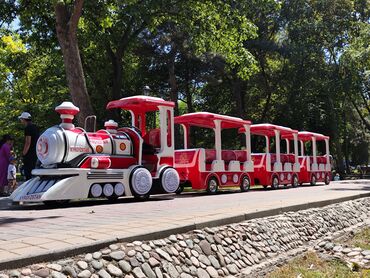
[(99, 175), (46, 182), (42, 186)]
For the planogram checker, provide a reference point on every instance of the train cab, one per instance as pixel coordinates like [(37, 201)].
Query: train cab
[(157, 141)]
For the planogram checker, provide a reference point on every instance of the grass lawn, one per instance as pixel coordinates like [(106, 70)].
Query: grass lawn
[(311, 266), (361, 239)]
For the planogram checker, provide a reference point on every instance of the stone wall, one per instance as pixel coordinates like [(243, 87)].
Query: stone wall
[(212, 252)]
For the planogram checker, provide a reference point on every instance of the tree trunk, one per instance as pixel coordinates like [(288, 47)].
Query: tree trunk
[(188, 91), (174, 94), (238, 98), (173, 83), (66, 26), (268, 90)]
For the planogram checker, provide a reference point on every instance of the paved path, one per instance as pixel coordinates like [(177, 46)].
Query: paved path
[(39, 231)]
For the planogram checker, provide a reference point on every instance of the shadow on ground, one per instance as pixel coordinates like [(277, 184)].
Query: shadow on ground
[(9, 220)]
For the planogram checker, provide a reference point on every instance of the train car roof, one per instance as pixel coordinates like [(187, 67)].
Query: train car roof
[(269, 129), (307, 136), (139, 103), (206, 120)]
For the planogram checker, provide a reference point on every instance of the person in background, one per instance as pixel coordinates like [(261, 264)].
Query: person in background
[(6, 144), (31, 134), (12, 176)]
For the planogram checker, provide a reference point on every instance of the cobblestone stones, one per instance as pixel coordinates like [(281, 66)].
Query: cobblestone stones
[(217, 252)]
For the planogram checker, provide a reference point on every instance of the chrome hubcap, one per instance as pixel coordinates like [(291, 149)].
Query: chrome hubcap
[(275, 182), (245, 183), (212, 185), (295, 181)]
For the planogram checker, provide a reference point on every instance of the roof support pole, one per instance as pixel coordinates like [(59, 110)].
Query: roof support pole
[(268, 157), (287, 146), (133, 118), (302, 148), (277, 143), (248, 147), (314, 150), (186, 135), (218, 146), (295, 138), (267, 144), (327, 151)]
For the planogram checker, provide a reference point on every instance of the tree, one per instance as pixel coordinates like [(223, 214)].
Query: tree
[(67, 17)]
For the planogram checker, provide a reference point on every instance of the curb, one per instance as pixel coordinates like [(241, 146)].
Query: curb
[(92, 247)]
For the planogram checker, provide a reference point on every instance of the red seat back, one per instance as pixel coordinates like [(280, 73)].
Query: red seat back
[(153, 138), (210, 156), (273, 158), (291, 158), (228, 155), (241, 155)]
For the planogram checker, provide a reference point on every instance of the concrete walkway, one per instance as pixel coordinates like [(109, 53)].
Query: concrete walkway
[(35, 233)]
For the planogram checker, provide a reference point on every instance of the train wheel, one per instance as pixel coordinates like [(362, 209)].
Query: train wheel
[(295, 181), (327, 179), (313, 180), (170, 180), (96, 190), (108, 190), (275, 182), (245, 184), (141, 183), (212, 185)]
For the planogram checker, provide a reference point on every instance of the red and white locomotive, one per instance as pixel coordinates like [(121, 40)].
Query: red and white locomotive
[(76, 164), (140, 160)]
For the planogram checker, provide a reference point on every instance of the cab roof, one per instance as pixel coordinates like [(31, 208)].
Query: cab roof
[(269, 130), (139, 103), (206, 120), (307, 136)]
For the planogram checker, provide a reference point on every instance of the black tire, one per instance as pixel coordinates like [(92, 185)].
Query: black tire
[(212, 185), (313, 180), (295, 181), (180, 189), (275, 183), (141, 198), (245, 184), (327, 179)]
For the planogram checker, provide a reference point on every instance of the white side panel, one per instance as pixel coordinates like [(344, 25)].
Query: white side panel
[(234, 166), (278, 167), (268, 162), (202, 160), (288, 167), (296, 167), (218, 166), (248, 166)]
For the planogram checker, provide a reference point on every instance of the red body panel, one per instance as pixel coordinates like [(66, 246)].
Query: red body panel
[(187, 163), (305, 174), (117, 162)]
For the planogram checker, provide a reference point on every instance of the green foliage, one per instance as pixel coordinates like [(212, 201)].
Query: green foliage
[(303, 64)]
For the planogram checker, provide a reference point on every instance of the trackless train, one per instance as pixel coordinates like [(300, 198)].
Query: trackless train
[(139, 160)]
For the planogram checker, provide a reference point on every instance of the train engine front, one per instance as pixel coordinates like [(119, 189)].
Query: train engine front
[(76, 164)]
